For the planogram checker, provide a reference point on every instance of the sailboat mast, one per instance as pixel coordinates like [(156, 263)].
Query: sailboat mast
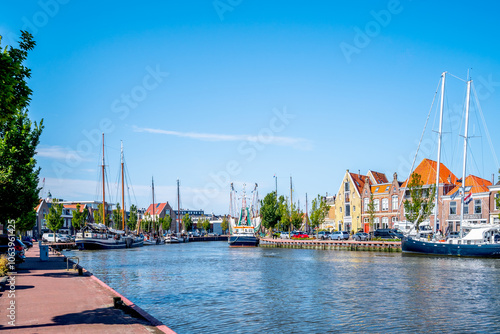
[(123, 191), (178, 227), (103, 187), (153, 188), (440, 135), (466, 137)]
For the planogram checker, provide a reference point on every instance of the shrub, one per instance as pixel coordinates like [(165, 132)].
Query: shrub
[(3, 265)]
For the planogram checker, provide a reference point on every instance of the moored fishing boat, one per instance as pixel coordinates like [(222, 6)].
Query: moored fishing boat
[(243, 230)]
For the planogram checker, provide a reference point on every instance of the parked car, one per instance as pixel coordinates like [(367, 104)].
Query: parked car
[(27, 242), (323, 235), (300, 235), (387, 233), (284, 235), (58, 238), (361, 236), (8, 242), (339, 235)]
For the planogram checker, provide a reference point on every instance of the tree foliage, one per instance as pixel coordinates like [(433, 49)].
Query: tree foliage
[(421, 202), (206, 224), (371, 211), (98, 216), (19, 138), (270, 211), (224, 225), (187, 222), (117, 216), (53, 218), (132, 219), (319, 211), (79, 217), (167, 223)]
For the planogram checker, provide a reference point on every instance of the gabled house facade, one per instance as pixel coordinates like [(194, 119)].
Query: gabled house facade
[(477, 208), (348, 203), (385, 199), (427, 169), (494, 208), (160, 210)]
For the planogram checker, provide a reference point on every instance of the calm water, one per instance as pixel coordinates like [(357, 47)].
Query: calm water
[(206, 287)]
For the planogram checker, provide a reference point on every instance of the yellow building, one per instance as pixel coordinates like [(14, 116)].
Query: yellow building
[(348, 203)]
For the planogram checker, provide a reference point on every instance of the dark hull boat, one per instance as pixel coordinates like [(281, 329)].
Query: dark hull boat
[(450, 248), (243, 241)]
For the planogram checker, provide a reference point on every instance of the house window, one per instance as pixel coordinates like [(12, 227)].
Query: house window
[(348, 210), (394, 219), (477, 206), (395, 203), (385, 204), (385, 222), (354, 208), (365, 204), (377, 205), (376, 223), (367, 220), (466, 209), (346, 186), (495, 202), (453, 208), (340, 209)]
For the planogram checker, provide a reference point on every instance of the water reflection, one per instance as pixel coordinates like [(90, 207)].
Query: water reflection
[(208, 287)]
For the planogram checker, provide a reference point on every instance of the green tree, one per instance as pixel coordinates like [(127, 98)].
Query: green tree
[(187, 222), (224, 225), (371, 212), (19, 138), (147, 223), (296, 217), (132, 219), (319, 211), (117, 216), (206, 224), (270, 211), (284, 213), (79, 217), (421, 202), (53, 218), (167, 223), (98, 216)]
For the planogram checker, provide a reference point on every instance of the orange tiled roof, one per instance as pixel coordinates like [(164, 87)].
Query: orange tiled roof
[(359, 181), (158, 208), (379, 177), (427, 171), (380, 188), (39, 203), (477, 184), (73, 206)]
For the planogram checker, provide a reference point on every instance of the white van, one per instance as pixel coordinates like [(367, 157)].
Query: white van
[(50, 237)]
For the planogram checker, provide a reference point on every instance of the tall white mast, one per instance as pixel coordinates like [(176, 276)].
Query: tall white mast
[(440, 135), (466, 134)]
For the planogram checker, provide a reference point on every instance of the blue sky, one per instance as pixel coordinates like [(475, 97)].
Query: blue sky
[(212, 92)]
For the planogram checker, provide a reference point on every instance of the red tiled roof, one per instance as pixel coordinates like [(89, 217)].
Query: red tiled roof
[(158, 208), (427, 171), (359, 181), (477, 184), (379, 177)]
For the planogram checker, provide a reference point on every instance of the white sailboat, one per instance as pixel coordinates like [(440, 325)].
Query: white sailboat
[(482, 240)]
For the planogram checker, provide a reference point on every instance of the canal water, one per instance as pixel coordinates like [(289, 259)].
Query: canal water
[(207, 287)]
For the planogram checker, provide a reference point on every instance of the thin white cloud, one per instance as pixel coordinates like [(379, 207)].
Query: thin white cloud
[(59, 153), (264, 138)]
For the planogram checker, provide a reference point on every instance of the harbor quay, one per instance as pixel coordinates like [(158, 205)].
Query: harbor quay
[(383, 246), (57, 296)]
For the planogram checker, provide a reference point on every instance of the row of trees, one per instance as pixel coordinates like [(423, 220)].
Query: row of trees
[(278, 213)]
